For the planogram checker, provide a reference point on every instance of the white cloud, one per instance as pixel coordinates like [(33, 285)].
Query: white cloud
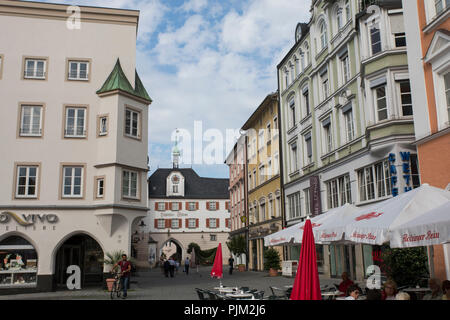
[(195, 5)]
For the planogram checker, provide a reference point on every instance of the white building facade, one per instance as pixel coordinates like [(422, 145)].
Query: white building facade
[(74, 142), (184, 208), (346, 119)]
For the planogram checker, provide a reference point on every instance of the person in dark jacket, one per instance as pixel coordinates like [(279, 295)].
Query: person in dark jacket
[(166, 268), (231, 262)]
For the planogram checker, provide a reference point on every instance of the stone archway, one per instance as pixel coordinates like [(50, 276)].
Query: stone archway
[(167, 248), (84, 251)]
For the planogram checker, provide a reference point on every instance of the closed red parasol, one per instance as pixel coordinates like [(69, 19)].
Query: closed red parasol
[(217, 269), (307, 285)]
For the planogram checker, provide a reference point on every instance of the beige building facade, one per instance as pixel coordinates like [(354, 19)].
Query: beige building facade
[(74, 141), (264, 186)]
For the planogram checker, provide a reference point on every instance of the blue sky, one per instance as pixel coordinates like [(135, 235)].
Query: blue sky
[(207, 60)]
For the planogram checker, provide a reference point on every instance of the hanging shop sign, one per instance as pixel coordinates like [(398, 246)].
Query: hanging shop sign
[(406, 171), (314, 194), (27, 219)]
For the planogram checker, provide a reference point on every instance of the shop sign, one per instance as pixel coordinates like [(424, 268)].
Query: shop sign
[(405, 156), (314, 194), (27, 219)]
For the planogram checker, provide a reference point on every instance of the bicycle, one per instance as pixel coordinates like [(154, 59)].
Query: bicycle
[(117, 286)]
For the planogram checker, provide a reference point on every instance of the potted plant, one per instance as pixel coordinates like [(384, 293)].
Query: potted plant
[(238, 246), (111, 259), (272, 262)]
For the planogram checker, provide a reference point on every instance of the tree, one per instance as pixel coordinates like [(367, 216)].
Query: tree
[(237, 245), (272, 259), (406, 266)]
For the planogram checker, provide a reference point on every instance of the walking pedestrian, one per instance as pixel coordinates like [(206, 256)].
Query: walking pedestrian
[(172, 267), (231, 262), (125, 268), (166, 268), (186, 265)]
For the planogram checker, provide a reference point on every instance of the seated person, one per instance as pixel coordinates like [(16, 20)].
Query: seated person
[(436, 293), (373, 294), (446, 290), (352, 292), (390, 290), (346, 282), (402, 296)]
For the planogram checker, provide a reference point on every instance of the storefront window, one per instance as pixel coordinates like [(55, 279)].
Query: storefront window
[(372, 255), (319, 257), (18, 263), (295, 252)]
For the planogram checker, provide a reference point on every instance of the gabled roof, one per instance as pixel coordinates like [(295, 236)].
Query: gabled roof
[(117, 80), (195, 187)]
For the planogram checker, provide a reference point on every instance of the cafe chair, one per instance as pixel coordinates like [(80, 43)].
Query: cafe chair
[(200, 294)]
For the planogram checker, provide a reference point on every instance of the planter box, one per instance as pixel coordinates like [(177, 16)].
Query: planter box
[(109, 283), (241, 267), (273, 272)]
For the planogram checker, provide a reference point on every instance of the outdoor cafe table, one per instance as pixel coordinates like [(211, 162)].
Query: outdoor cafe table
[(331, 295), (226, 289), (239, 295)]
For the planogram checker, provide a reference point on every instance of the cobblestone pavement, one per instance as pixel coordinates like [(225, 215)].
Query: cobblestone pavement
[(152, 285)]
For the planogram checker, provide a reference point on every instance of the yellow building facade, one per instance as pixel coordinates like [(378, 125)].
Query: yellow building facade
[(264, 185)]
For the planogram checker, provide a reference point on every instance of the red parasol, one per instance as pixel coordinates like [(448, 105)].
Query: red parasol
[(217, 269), (306, 285)]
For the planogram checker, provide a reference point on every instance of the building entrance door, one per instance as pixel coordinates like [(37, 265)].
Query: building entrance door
[(67, 256), (84, 252)]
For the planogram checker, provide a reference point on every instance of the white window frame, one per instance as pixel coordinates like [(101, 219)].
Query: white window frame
[(212, 206), (161, 206), (127, 184), (27, 184), (175, 224), (192, 223), (72, 182), (306, 195), (323, 35), (98, 187), (371, 194), (192, 206), (325, 85), (349, 126), (377, 101), (398, 36), (328, 138), (78, 70), (292, 117), (406, 93), (161, 224), (294, 157), (32, 132), (129, 123), (345, 66), (375, 25), (103, 127), (212, 223), (294, 205), (76, 121), (338, 191), (33, 73)]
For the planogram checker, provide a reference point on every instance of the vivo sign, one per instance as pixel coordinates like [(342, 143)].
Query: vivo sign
[(27, 219)]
